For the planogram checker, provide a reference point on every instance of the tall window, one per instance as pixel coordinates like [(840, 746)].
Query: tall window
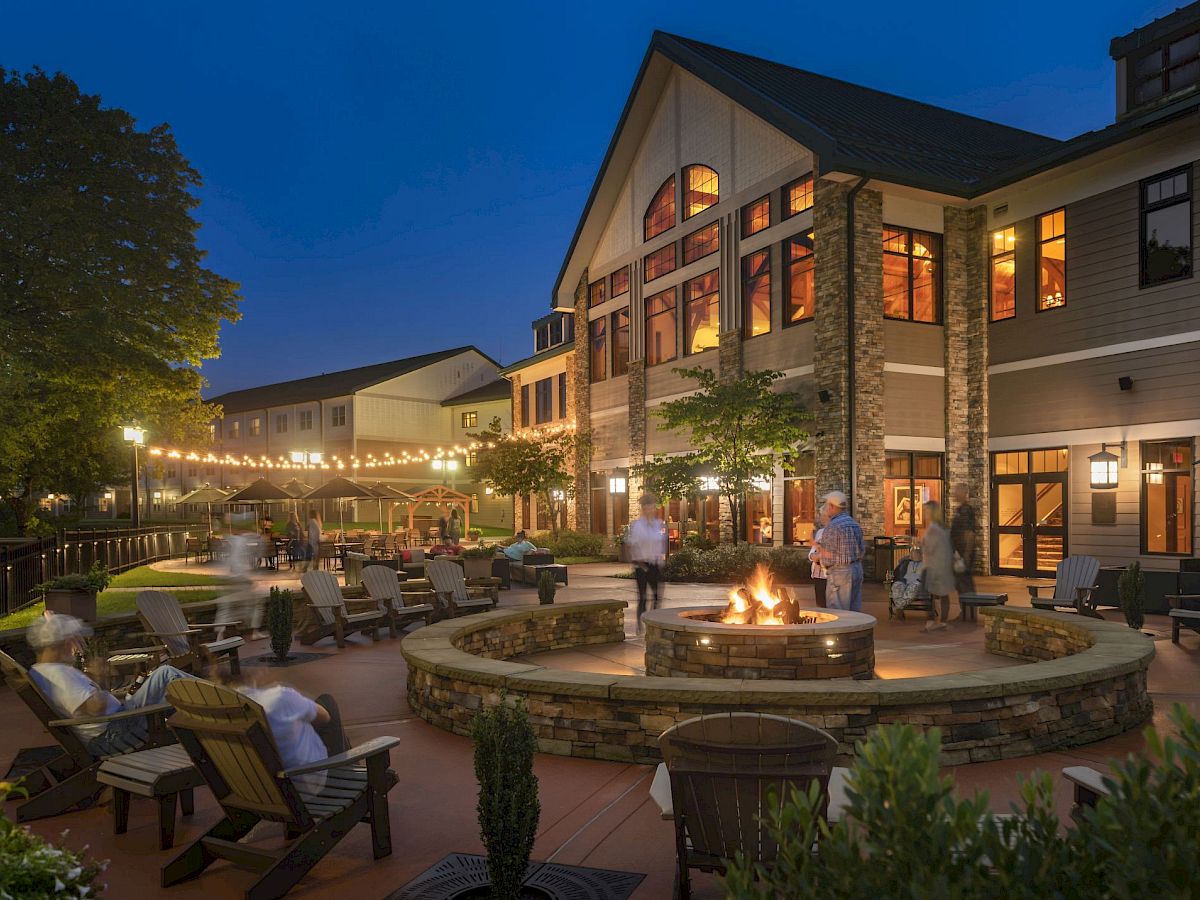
[(1004, 269), (337, 416), (1166, 70), (800, 500), (798, 196), (281, 423), (660, 215), (596, 293), (620, 282), (304, 419), (702, 300), (255, 426), (562, 395), (235, 429), (756, 216), (599, 345), (799, 292), (699, 189), (660, 328), (620, 342), (659, 263), (1167, 497), (525, 406), (526, 521), (756, 293), (912, 284), (544, 398), (1052, 260), (910, 479), (700, 244), (470, 420), (1166, 227)]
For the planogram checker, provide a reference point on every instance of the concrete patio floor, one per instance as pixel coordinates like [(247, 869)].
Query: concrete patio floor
[(593, 813)]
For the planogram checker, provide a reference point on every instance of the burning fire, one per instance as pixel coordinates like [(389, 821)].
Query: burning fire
[(759, 602)]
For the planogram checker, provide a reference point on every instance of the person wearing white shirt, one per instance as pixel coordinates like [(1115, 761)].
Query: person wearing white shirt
[(646, 541), (294, 721)]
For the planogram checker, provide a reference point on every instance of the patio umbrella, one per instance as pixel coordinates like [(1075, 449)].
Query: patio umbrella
[(261, 492), (340, 488), (206, 494), (387, 492), (295, 488)]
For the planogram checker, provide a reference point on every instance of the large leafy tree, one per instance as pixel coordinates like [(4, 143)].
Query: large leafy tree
[(106, 308), (669, 477), (537, 463), (737, 429)]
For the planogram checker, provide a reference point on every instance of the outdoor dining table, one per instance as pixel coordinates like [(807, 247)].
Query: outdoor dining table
[(344, 547)]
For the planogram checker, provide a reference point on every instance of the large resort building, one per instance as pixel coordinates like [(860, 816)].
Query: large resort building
[(957, 302)]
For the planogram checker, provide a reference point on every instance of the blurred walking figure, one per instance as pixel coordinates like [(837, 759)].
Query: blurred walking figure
[(312, 551), (963, 529), (295, 536), (840, 551), (647, 543), (453, 528), (938, 556)]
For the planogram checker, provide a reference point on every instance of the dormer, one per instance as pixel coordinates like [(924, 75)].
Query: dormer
[(552, 330), (1159, 62)]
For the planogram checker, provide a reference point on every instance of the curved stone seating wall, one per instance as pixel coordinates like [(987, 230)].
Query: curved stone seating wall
[(1096, 689)]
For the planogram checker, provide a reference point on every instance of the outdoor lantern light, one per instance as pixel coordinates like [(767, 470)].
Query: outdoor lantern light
[(299, 456), (708, 483), (1104, 469), (617, 485), (316, 458), (558, 495), (451, 465), (134, 435), (489, 491), (437, 464), (762, 484)]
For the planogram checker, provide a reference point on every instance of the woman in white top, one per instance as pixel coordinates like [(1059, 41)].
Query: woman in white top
[(313, 552)]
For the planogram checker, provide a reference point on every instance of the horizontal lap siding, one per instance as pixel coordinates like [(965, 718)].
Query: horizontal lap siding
[(913, 343), (914, 404), (781, 349)]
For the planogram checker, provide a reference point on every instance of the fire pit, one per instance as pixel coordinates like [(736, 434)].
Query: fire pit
[(761, 633)]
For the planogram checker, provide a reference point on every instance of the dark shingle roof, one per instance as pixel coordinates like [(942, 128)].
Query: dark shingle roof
[(500, 389), (332, 384)]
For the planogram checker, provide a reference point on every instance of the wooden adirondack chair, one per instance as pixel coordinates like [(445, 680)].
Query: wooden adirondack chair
[(453, 591), (384, 588), (1074, 586), (227, 736), (722, 769), (70, 779), (329, 614), (163, 618)]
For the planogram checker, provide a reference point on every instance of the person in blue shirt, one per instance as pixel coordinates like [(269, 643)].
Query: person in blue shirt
[(518, 548), (840, 551)]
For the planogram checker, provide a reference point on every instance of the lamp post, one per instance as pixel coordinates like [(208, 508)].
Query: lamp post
[(135, 437)]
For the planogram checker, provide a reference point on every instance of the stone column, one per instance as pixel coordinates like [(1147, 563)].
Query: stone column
[(579, 510), (830, 357), (637, 430), (966, 351), (729, 356), (868, 358)]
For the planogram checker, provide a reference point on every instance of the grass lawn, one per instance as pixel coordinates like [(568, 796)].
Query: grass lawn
[(107, 603), (144, 576)]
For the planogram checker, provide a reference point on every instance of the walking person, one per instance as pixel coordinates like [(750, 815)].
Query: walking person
[(938, 556), (312, 552), (817, 571), (647, 543), (454, 528), (963, 529), (840, 551)]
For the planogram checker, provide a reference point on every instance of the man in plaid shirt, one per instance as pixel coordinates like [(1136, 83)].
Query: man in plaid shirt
[(841, 552)]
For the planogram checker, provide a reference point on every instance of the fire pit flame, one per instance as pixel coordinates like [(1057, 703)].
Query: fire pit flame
[(759, 602)]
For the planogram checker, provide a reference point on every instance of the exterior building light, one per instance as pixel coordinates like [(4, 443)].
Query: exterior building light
[(134, 435), (306, 457), (558, 495), (316, 458), (438, 464), (709, 484), (489, 490), (761, 484), (1103, 469), (618, 486), (451, 465)]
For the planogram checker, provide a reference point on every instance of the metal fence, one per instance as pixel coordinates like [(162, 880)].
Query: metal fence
[(23, 566)]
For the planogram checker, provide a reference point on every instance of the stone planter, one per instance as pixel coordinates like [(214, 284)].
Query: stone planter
[(477, 566), (80, 604)]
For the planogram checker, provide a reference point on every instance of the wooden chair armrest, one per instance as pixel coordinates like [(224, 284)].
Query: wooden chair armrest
[(373, 747), (157, 648), (158, 709), (483, 581), (360, 601), (213, 626), (1034, 590), (1084, 594), (187, 633)]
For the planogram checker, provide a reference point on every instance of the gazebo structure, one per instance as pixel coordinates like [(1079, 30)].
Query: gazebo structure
[(438, 495)]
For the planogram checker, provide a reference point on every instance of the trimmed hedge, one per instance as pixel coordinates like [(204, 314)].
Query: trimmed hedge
[(571, 543), (730, 562)]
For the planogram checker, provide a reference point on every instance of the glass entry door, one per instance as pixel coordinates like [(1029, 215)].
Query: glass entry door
[(1029, 511)]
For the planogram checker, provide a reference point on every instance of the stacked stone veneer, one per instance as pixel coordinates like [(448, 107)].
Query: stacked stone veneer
[(992, 714)]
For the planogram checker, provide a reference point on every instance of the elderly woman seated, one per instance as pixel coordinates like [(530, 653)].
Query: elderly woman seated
[(908, 579)]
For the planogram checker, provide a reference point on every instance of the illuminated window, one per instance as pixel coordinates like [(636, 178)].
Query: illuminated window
[(598, 341), (659, 263), (1167, 504), (1052, 260), (281, 423), (756, 216), (1166, 228), (304, 420), (798, 196), (700, 244), (799, 292), (912, 285), (699, 190), (235, 430), (470, 458), (660, 328), (702, 300), (620, 342), (255, 426), (660, 215), (1165, 70), (620, 282), (337, 416), (595, 294), (1004, 268), (756, 293), (470, 420)]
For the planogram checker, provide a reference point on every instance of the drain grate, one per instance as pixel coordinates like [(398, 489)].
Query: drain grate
[(460, 873)]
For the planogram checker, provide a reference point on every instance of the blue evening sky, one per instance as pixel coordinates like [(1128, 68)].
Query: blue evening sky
[(390, 179)]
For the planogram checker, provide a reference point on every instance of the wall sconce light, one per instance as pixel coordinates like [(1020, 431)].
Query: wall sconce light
[(824, 396), (489, 490), (708, 484), (558, 495), (1125, 383), (618, 486), (1103, 469)]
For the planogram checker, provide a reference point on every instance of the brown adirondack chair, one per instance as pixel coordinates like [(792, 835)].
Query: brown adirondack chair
[(70, 779), (1074, 587), (227, 736), (455, 594), (384, 588), (329, 613), (162, 615)]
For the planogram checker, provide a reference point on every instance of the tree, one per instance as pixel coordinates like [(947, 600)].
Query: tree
[(106, 309), (536, 463), (737, 428), (669, 477)]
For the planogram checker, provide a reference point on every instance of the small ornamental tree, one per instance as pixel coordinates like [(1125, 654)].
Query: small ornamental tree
[(669, 477), (279, 623), (737, 428), (1131, 587)]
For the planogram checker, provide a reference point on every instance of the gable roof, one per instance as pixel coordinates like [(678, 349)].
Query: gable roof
[(333, 384), (500, 389)]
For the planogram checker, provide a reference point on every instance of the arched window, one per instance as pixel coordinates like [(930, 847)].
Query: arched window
[(699, 189), (660, 214)]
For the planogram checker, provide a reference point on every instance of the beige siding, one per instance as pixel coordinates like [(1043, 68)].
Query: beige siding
[(780, 349), (914, 343), (913, 404), (610, 393)]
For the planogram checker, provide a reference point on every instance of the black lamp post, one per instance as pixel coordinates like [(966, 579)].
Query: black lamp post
[(135, 437)]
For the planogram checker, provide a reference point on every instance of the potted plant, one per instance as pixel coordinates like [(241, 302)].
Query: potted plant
[(1131, 589), (75, 595), (477, 561), (619, 540), (474, 534), (546, 587), (279, 623)]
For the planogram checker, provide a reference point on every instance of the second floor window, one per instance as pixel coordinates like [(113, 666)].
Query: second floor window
[(1166, 228), (620, 282), (912, 284), (798, 196), (702, 301), (545, 400), (1052, 260), (620, 342), (337, 416), (524, 406), (255, 426), (756, 293), (756, 216), (235, 430), (470, 420), (1004, 270), (660, 214), (599, 346), (659, 263), (699, 189), (702, 243), (596, 293), (562, 395), (281, 424), (304, 420), (799, 291), (660, 328)]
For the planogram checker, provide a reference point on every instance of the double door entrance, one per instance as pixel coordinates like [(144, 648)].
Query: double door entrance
[(1029, 511)]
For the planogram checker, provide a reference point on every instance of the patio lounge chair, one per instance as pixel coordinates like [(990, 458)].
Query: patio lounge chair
[(70, 779), (163, 617), (384, 588), (227, 736), (329, 615), (453, 592), (1074, 586)]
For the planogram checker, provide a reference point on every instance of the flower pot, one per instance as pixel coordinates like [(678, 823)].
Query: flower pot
[(80, 604), (477, 566)]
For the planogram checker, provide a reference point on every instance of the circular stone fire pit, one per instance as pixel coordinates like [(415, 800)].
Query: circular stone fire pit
[(691, 642)]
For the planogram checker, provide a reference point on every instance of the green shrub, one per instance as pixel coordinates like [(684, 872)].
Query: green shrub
[(34, 869), (730, 562), (697, 541), (508, 793), (546, 587), (571, 543), (1131, 588), (279, 622), (483, 551), (95, 580)]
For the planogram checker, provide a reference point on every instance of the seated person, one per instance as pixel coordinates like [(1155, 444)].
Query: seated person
[(305, 730), (519, 547), (909, 579), (57, 638)]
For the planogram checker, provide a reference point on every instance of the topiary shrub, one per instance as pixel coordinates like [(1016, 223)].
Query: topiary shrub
[(1131, 589), (546, 588), (279, 623), (508, 793)]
